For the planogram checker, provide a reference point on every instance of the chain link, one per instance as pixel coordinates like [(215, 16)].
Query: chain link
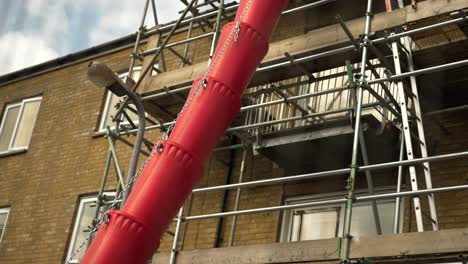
[(104, 219)]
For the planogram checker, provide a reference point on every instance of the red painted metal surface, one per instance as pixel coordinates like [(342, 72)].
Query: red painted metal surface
[(132, 235)]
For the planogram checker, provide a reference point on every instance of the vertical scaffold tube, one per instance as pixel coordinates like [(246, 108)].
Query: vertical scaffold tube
[(132, 234)]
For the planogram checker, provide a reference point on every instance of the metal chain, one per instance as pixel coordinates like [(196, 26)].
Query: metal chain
[(159, 146)]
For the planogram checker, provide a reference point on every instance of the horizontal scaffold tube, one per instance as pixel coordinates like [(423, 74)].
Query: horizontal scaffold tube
[(133, 234), (324, 54), (395, 77), (364, 198), (315, 175)]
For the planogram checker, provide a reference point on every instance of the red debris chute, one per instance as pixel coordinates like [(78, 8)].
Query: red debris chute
[(133, 234)]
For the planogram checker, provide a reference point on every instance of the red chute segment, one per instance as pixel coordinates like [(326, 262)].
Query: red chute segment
[(132, 235)]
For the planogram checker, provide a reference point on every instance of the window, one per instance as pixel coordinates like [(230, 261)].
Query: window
[(109, 109), (3, 220), (82, 228), (17, 125), (324, 222)]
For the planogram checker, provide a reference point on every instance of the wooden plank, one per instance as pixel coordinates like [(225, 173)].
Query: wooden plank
[(317, 39), (407, 244), (432, 242), (267, 253)]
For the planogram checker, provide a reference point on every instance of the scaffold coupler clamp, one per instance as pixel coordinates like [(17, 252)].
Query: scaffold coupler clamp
[(463, 14), (345, 261), (351, 197)]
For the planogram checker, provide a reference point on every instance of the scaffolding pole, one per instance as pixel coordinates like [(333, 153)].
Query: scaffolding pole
[(361, 83), (237, 199)]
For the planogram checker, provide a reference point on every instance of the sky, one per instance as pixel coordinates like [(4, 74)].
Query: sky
[(35, 31)]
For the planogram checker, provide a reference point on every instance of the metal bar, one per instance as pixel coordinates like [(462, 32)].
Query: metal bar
[(432, 69), (155, 13), (99, 202), (111, 140), (299, 66), (307, 176), (446, 110), (382, 59), (233, 8), (229, 147), (357, 126), (370, 182), (141, 29), (396, 221), (166, 40), (307, 6), (364, 198), (186, 48), (128, 143), (347, 31), (396, 36), (192, 19), (379, 98), (195, 13), (407, 135), (386, 79), (184, 60), (216, 34), (237, 199), (176, 236), (272, 122), (383, 85), (177, 43), (385, 39), (422, 138)]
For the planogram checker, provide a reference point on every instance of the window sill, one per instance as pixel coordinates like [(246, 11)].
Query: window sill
[(13, 152)]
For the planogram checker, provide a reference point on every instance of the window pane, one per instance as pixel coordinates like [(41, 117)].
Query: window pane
[(113, 99), (319, 225), (85, 218), (111, 110), (136, 75), (26, 125), (295, 228), (3, 219), (11, 116), (363, 220), (314, 225)]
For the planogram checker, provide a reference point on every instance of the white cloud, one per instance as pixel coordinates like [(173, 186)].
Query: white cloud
[(53, 19), (21, 51), (47, 32)]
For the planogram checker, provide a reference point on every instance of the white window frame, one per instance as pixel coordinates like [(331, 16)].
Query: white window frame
[(7, 211), (11, 149), (287, 218), (83, 201), (107, 106)]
